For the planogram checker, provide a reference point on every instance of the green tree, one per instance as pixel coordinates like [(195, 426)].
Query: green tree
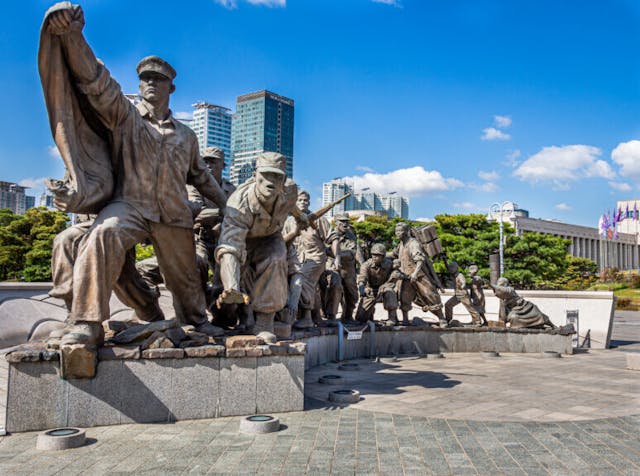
[(375, 229), (581, 273), (535, 260), (144, 252), (26, 242), (469, 239)]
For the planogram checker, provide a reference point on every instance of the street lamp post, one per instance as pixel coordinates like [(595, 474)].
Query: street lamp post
[(500, 209)]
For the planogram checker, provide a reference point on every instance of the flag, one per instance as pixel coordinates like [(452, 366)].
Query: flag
[(635, 211), (626, 211), (601, 228)]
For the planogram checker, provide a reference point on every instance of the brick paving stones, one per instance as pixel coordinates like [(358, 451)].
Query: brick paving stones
[(516, 415), (343, 441)]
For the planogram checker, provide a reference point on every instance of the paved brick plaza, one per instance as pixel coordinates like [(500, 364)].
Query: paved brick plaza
[(583, 418)]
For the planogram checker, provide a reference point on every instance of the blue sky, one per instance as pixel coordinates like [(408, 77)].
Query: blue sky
[(456, 103)]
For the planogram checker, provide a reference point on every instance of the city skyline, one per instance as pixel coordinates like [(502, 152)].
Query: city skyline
[(388, 202), (456, 105)]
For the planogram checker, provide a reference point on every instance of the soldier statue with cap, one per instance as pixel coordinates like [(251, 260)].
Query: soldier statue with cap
[(344, 289), (375, 284), (251, 252), (310, 244), (152, 155)]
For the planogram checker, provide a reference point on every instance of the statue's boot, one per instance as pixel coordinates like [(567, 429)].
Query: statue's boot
[(392, 316), (405, 317), (210, 329), (53, 340), (306, 322), (246, 320), (264, 322), (330, 321), (90, 334)]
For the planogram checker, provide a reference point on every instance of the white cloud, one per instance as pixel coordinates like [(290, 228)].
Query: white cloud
[(424, 219), (489, 176), (269, 3), (232, 4), (33, 183), (502, 122), (620, 186), (183, 115), (395, 3), (364, 168), (564, 164), (627, 156), (412, 181), (466, 206), (563, 207), (487, 187), (511, 158), (491, 133), (54, 152)]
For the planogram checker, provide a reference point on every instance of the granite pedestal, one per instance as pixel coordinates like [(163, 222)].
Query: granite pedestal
[(159, 390)]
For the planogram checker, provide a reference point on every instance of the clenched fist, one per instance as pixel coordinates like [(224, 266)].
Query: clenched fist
[(65, 18)]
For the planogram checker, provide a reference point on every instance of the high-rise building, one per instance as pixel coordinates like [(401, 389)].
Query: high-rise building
[(212, 125), (29, 201), (391, 204), (263, 122), (46, 200), (13, 197), (334, 190), (395, 205)]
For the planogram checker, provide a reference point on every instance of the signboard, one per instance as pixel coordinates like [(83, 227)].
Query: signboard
[(354, 335), (572, 318)]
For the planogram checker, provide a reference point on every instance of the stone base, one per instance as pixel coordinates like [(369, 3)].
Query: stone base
[(152, 391), (432, 340)]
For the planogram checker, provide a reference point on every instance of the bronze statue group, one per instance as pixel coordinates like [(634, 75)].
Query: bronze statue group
[(249, 259)]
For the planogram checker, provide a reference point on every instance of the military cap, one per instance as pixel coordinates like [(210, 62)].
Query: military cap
[(342, 217), (213, 153), (378, 249), (271, 162), (157, 65)]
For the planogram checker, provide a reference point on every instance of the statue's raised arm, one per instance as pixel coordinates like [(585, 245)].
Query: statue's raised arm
[(65, 60)]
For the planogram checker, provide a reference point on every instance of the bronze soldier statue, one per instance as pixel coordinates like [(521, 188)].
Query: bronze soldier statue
[(311, 243), (423, 283), (344, 264), (251, 252), (461, 296), (152, 156), (376, 284), (476, 290), (516, 311)]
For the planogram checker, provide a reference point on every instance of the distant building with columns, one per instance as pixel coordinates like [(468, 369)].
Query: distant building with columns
[(586, 242)]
